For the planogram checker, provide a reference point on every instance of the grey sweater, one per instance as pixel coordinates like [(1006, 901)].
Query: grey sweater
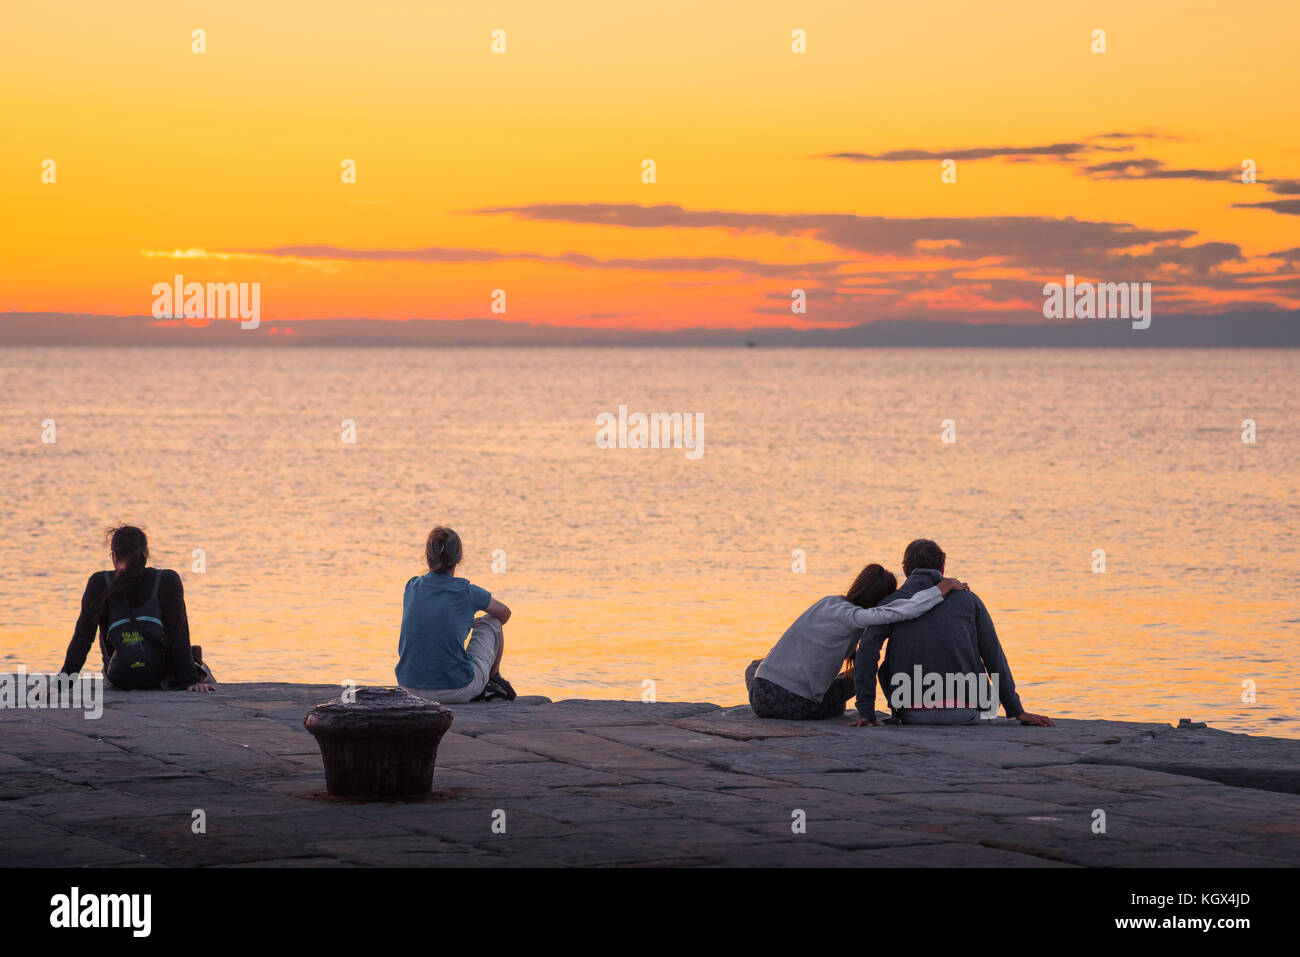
[(812, 650), (956, 638)]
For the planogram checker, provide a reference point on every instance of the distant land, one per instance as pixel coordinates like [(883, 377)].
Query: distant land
[(1247, 329)]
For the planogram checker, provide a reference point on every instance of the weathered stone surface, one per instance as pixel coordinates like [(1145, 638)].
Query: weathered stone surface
[(1240, 760), (622, 783)]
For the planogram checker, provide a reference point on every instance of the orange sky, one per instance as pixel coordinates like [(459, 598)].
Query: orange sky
[(234, 157)]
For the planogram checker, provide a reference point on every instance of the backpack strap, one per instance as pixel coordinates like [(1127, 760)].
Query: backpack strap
[(151, 600), (131, 608)]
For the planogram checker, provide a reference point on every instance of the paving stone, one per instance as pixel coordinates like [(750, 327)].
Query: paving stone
[(974, 802), (951, 855), (20, 784), (587, 750), (69, 851), (61, 807), (316, 860), (407, 851), (843, 834), (11, 762), (35, 738), (99, 769), (1240, 760), (547, 774)]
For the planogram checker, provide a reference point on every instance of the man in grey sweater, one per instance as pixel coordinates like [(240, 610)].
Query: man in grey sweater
[(949, 650)]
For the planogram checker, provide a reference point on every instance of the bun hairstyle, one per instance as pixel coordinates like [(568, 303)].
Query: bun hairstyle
[(130, 546), (443, 550)]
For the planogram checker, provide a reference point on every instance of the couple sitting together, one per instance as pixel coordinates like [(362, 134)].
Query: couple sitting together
[(937, 629)]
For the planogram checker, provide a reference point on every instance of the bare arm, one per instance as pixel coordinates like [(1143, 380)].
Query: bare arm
[(498, 611), (83, 635)]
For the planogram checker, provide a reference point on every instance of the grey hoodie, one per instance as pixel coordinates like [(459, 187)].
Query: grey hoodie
[(812, 650), (954, 638)]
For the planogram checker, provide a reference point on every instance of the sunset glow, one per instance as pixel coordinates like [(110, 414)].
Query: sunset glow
[(774, 170)]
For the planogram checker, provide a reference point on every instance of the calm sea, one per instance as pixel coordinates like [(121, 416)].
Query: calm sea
[(627, 566)]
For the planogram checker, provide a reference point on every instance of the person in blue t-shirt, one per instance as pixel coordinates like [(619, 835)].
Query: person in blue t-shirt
[(438, 611)]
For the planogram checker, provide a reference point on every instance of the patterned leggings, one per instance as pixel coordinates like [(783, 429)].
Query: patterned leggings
[(772, 701)]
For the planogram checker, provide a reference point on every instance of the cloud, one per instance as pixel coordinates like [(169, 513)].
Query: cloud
[(444, 254), (1068, 152), (974, 153), (1076, 154), (1197, 259), (1036, 240), (234, 255), (1290, 207), (1136, 135), (1147, 168)]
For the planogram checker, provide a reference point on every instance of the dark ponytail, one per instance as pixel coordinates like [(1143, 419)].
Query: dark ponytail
[(130, 546), (443, 550)]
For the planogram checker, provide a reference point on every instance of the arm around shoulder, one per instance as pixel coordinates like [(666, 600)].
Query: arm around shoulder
[(902, 609)]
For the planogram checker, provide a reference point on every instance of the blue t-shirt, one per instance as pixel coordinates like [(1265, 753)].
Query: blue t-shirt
[(437, 614)]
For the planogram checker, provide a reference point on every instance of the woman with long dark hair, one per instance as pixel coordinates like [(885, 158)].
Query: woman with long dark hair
[(798, 678), (139, 613)]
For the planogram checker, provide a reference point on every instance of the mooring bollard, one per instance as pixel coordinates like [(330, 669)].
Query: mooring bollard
[(383, 744)]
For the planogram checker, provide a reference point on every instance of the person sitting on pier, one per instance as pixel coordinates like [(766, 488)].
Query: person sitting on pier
[(139, 612), (798, 679), (954, 645), (437, 613)]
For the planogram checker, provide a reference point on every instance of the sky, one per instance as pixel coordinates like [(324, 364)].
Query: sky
[(774, 170)]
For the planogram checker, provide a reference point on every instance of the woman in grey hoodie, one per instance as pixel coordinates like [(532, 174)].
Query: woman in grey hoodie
[(800, 678)]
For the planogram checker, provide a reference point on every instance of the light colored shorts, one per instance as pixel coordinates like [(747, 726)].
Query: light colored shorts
[(485, 642)]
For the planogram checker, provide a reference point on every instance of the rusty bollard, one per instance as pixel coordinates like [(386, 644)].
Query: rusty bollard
[(383, 744)]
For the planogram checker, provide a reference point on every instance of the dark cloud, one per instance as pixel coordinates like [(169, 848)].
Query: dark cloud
[(1134, 135), (1198, 259), (1147, 168), (975, 153), (1284, 187), (1119, 142), (1033, 240), (1074, 154), (1290, 207)]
